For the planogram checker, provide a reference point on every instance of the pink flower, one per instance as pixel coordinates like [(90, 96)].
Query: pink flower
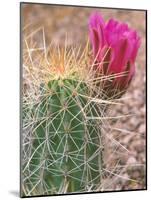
[(115, 47)]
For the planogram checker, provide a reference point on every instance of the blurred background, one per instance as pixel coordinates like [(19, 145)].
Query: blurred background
[(126, 168)]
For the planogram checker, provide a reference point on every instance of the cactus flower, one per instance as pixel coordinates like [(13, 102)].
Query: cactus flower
[(115, 48)]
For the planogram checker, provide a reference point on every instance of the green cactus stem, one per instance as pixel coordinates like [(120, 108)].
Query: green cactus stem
[(65, 151)]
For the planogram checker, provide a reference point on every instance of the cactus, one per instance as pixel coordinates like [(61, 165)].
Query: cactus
[(63, 146), (66, 150), (63, 115)]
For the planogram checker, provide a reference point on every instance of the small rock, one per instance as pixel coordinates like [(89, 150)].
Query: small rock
[(131, 161), (142, 128)]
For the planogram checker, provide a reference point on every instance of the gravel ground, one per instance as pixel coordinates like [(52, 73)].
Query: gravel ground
[(130, 131)]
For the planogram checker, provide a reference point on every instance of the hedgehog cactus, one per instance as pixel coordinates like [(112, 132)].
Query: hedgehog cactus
[(62, 143)]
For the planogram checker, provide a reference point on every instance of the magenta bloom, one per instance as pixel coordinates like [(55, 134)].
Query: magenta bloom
[(115, 47)]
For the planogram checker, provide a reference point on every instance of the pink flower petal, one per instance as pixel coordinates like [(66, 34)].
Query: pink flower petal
[(121, 41)]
